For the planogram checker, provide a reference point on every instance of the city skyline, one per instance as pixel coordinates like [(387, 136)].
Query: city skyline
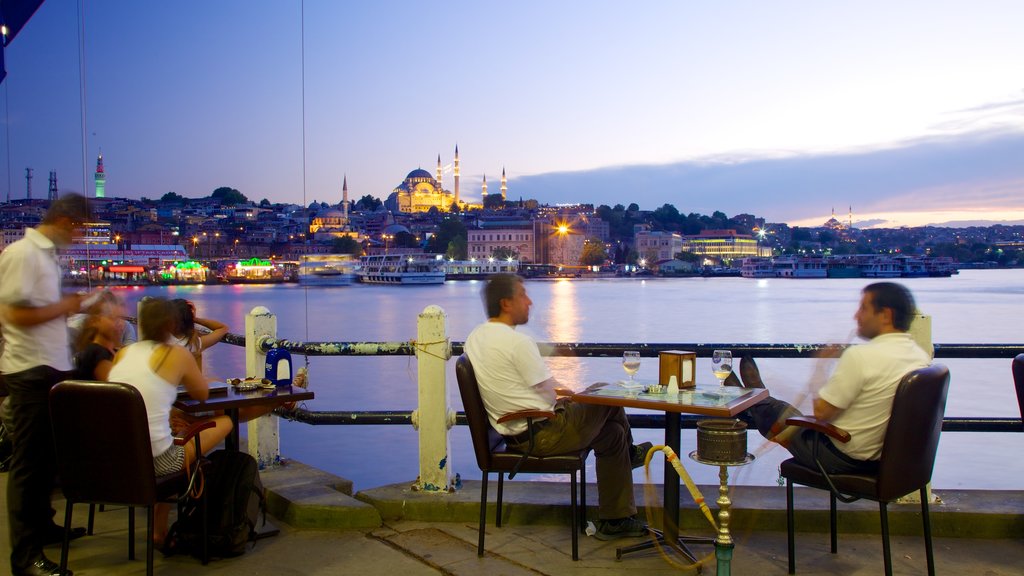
[(911, 114)]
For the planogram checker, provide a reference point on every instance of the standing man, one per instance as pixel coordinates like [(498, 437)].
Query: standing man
[(36, 357), (512, 377), (858, 396)]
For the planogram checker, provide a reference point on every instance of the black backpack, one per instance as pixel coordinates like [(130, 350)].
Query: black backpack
[(235, 500)]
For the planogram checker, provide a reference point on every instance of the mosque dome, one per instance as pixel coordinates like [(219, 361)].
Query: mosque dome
[(419, 173), (395, 229)]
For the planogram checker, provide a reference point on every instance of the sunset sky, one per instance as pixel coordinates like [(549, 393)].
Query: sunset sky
[(909, 112)]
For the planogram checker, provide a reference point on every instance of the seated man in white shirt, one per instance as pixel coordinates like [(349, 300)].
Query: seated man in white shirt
[(513, 377), (858, 396)]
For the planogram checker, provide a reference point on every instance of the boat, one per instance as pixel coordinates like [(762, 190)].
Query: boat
[(327, 270), (404, 269), (878, 266), (254, 271), (757, 268), (842, 267), (474, 269), (799, 267)]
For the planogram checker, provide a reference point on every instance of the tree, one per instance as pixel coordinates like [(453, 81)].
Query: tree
[(493, 202), (594, 253), (458, 248), (347, 245), (264, 203), (449, 229), (174, 197), (634, 207), (406, 240), (368, 203), (228, 196)]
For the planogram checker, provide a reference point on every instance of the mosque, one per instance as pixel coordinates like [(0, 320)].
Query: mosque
[(420, 192)]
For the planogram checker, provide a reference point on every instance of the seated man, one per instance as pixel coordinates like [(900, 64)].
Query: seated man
[(858, 396), (513, 377)]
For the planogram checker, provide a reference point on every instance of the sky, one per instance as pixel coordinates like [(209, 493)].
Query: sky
[(906, 113)]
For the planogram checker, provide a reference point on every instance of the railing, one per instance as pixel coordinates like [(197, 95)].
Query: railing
[(433, 349)]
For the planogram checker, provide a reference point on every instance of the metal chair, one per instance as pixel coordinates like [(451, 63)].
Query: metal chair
[(101, 434), (908, 456), (493, 456), (1018, 381)]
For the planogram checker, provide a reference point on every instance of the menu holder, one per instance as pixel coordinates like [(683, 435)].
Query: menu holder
[(678, 363)]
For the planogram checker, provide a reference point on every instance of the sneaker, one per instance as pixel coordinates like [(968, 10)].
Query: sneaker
[(629, 527), (639, 454)]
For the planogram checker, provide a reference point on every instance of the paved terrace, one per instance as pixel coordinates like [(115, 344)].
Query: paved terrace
[(393, 530)]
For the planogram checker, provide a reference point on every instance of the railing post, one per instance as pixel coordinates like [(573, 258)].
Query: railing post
[(921, 331), (433, 417), (264, 439)]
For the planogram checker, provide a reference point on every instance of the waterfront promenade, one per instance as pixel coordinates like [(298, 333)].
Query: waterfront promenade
[(393, 530)]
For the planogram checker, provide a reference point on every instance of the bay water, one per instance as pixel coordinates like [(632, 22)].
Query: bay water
[(976, 306)]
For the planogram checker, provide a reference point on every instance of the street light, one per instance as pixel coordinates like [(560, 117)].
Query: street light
[(195, 247)]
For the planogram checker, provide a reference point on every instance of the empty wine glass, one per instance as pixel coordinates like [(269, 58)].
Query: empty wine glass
[(721, 365), (631, 363)]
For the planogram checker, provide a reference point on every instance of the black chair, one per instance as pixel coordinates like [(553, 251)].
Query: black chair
[(1018, 382), (908, 456), (493, 456), (101, 435)]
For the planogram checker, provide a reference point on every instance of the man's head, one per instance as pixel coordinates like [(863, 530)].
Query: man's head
[(505, 299), (884, 307), (65, 215)]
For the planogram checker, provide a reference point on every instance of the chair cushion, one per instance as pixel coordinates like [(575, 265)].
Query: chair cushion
[(503, 460), (850, 484)]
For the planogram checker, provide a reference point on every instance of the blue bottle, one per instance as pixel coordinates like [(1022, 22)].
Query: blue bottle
[(279, 367)]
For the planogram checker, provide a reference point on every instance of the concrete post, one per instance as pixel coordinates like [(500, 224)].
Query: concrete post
[(264, 435), (433, 417), (921, 331)]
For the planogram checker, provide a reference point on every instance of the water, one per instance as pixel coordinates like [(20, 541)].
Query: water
[(974, 307)]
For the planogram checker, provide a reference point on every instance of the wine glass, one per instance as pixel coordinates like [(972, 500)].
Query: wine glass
[(721, 365), (631, 363)]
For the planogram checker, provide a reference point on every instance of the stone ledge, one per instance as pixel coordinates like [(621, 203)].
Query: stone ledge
[(306, 497)]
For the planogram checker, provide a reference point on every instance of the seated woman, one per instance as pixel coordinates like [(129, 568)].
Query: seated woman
[(156, 368), (185, 332), (99, 336)]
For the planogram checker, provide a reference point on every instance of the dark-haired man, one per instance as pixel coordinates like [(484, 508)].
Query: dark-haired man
[(858, 396), (36, 357), (512, 376)]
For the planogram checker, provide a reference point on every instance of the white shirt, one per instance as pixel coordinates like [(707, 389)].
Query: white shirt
[(863, 386), (30, 276), (508, 368)]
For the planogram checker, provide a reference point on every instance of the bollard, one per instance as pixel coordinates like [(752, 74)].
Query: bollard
[(263, 432), (433, 417)]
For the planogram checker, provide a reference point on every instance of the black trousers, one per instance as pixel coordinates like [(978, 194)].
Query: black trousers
[(33, 463)]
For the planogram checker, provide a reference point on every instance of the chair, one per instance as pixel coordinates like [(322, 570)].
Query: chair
[(101, 435), (908, 456), (493, 456), (1018, 381)]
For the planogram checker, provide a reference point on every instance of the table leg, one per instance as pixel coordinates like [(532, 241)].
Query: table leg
[(669, 535), (232, 442)]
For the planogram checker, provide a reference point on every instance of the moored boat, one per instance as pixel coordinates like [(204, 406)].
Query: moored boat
[(404, 269), (327, 270)]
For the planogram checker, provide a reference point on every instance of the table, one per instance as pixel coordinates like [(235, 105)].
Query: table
[(234, 399), (722, 402)]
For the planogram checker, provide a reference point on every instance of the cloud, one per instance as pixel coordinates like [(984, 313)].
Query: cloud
[(938, 173)]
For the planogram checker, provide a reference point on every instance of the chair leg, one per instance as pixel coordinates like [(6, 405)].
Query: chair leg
[(790, 517), (131, 533), (575, 517), (92, 519), (833, 524), (206, 528), (501, 488), (927, 531), (583, 498), (483, 514), (886, 552), (66, 544), (150, 527)]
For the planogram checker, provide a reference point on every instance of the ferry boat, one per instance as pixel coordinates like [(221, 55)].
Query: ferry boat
[(405, 269), (474, 269), (842, 267), (875, 266), (327, 270), (254, 271), (757, 268), (799, 267)]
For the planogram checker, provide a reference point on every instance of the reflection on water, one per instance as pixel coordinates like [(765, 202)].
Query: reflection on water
[(697, 310)]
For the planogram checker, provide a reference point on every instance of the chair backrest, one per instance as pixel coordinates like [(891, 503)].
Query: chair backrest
[(912, 436), (1018, 381), (101, 434), (485, 438)]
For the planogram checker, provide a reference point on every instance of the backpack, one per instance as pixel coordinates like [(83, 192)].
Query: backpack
[(235, 499)]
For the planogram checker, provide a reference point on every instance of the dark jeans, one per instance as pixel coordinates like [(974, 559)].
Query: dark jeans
[(766, 413), (33, 464), (604, 429)]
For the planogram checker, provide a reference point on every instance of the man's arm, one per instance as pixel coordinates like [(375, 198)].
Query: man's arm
[(824, 411), (28, 316)]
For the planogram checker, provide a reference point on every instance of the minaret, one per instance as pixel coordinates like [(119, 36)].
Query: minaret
[(28, 183), (504, 184), (484, 192), (101, 178), (438, 173), (344, 198), (52, 192), (850, 218), (456, 174)]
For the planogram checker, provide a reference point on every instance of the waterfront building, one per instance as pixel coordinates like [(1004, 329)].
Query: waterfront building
[(724, 245), (656, 245), (515, 236), (100, 178)]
